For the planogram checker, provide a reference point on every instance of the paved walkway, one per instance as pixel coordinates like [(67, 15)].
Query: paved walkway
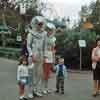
[(77, 86)]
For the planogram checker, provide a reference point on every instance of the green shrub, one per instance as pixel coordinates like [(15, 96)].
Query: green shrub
[(11, 53)]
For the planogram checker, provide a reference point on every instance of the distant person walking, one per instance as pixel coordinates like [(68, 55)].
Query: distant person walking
[(24, 51)]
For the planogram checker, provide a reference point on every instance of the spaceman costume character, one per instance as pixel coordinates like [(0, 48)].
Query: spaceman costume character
[(49, 56), (36, 45)]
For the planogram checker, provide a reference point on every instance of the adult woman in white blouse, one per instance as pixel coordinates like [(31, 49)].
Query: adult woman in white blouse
[(96, 67)]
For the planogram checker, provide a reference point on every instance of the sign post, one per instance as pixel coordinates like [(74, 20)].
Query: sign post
[(19, 38), (22, 8), (82, 43)]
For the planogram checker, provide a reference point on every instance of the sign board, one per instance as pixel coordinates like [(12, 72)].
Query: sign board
[(22, 9), (19, 38), (82, 43)]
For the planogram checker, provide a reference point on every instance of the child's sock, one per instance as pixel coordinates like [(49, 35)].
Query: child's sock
[(21, 97), (46, 83), (30, 95)]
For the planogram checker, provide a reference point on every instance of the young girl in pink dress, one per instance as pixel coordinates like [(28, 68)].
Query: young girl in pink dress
[(49, 56)]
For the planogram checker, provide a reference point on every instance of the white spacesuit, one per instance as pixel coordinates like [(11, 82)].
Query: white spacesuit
[(36, 45)]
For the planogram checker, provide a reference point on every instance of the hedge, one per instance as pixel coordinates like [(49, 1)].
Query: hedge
[(11, 53)]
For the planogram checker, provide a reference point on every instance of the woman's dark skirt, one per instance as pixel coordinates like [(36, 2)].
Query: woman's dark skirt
[(96, 72)]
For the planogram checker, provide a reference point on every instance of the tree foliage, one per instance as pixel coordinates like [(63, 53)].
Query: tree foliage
[(10, 16), (11, 10), (93, 16), (68, 47)]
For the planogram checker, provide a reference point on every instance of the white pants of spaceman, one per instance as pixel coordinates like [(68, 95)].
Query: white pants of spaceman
[(30, 79), (36, 73)]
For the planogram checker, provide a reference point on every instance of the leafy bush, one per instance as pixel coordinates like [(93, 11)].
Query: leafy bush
[(67, 46), (12, 53)]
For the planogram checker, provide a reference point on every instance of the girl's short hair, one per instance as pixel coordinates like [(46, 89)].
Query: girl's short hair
[(23, 58)]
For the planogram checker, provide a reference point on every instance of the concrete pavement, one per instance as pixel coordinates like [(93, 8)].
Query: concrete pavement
[(77, 86)]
